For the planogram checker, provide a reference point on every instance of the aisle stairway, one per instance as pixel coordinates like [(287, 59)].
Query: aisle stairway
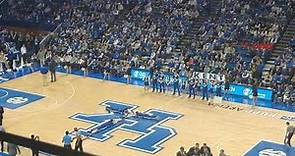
[(190, 36), (280, 46)]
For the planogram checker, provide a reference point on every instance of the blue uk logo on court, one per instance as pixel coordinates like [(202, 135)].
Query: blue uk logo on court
[(121, 116), (267, 148), (13, 99)]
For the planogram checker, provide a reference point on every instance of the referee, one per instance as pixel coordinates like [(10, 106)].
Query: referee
[(289, 134)]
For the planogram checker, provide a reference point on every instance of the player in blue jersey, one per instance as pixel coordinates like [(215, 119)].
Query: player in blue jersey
[(205, 86), (155, 82), (146, 83), (176, 86), (218, 89), (162, 83)]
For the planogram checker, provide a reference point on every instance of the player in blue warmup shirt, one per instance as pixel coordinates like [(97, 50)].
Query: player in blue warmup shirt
[(218, 89), (176, 84), (162, 83), (205, 86), (146, 83), (155, 81)]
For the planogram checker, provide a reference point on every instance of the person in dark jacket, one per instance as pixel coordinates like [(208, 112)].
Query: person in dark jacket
[(205, 150), (194, 151), (255, 94), (52, 69), (181, 152), (1, 115), (35, 151)]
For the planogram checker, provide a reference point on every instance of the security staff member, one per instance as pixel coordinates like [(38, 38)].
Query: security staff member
[(289, 134), (52, 69), (192, 87)]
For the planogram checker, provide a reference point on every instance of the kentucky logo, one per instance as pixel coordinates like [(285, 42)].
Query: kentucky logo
[(121, 116), (267, 148)]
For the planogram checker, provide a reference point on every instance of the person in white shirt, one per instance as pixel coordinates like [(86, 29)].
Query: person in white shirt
[(23, 51)]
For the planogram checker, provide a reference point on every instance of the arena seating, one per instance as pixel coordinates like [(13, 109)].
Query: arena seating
[(145, 34)]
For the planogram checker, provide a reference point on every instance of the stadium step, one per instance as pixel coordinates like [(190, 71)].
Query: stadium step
[(190, 36), (280, 47)]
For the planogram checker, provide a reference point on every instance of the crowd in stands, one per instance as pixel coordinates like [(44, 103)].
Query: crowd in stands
[(282, 76), (143, 38), (17, 48), (196, 150), (113, 36), (36, 11), (219, 48)]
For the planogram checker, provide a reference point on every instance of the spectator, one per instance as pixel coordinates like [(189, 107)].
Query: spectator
[(194, 151), (35, 151), (67, 139), (13, 149), (205, 150), (222, 153), (1, 115), (181, 152), (2, 130)]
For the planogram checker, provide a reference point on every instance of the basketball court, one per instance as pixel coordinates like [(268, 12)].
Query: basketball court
[(74, 101)]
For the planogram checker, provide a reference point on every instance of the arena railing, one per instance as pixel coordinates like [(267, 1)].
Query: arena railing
[(47, 38), (42, 147)]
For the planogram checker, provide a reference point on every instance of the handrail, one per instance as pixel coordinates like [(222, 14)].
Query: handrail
[(39, 145)]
